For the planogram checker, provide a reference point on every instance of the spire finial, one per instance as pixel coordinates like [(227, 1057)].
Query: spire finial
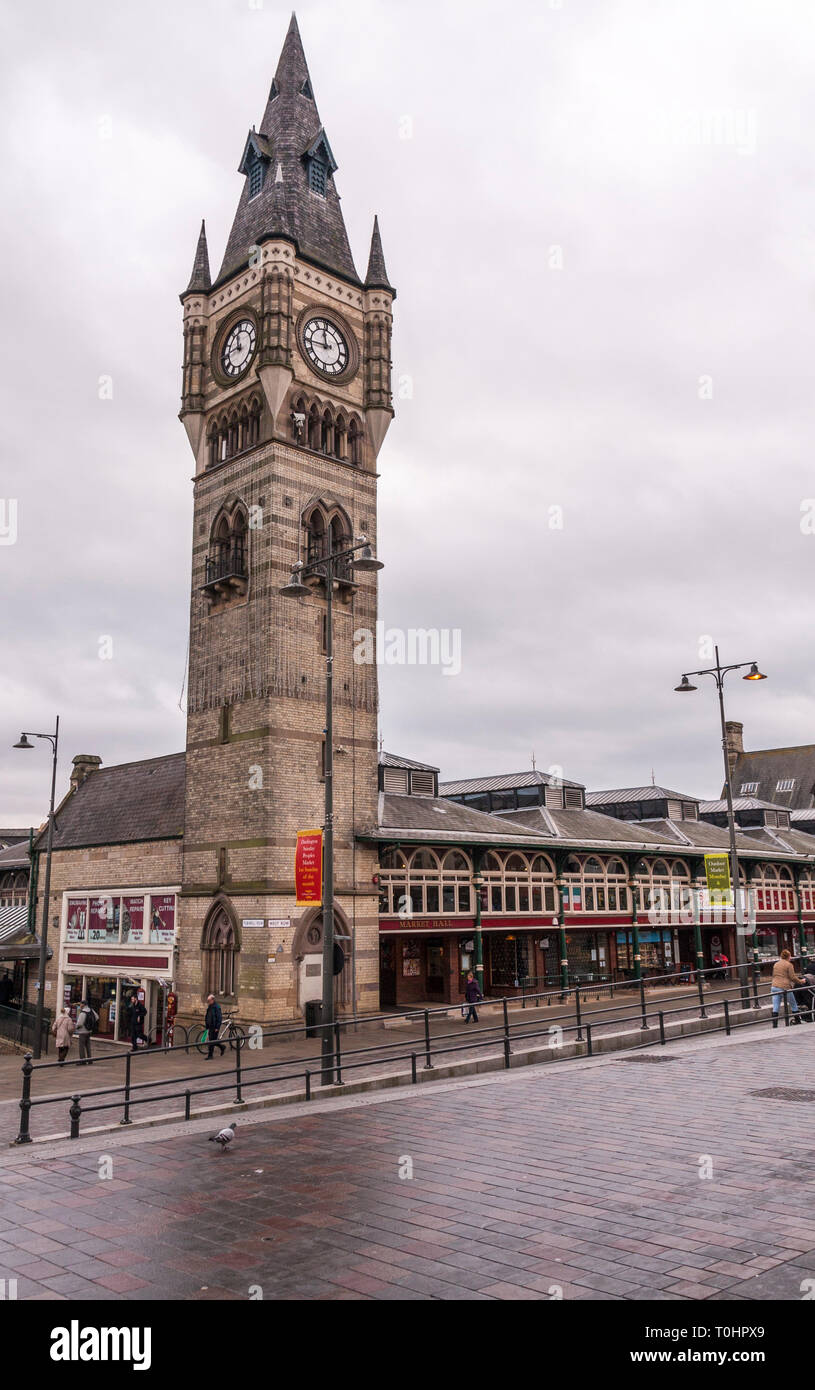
[(377, 276), (200, 280)]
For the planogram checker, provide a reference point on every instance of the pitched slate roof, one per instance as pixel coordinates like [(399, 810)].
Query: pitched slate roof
[(503, 782), (769, 766), (423, 818), (285, 206), (621, 794), (740, 803), (15, 856), (12, 837), (117, 805), (391, 760), (589, 828)]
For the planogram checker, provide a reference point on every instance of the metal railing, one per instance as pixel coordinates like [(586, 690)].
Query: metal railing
[(649, 1015), (228, 561), (19, 1026)]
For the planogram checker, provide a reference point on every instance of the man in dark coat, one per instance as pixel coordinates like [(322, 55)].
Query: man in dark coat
[(212, 1022), (472, 994), (138, 1013), (6, 990)]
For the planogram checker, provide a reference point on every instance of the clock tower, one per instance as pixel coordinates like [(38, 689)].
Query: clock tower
[(286, 400)]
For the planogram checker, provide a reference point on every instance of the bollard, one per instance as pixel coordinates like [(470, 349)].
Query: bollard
[(24, 1136), (727, 1017), (786, 1009), (427, 1061), (126, 1120), (339, 1080), (645, 1023), (76, 1114), (238, 1093), (661, 1026), (588, 1040), (187, 1105), (579, 1037), (308, 1084), (413, 1067), (506, 1031)]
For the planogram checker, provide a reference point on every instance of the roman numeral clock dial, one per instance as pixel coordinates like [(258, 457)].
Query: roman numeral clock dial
[(325, 346), (239, 348)]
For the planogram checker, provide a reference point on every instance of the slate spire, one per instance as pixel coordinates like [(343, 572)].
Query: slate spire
[(200, 280), (288, 142), (376, 276)]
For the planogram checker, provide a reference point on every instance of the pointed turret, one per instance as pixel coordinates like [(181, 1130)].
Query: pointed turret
[(376, 276), (289, 167), (200, 280)]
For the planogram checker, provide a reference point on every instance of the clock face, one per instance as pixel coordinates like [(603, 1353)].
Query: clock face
[(325, 347), (239, 347)]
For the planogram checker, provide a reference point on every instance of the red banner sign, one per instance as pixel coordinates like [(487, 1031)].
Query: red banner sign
[(308, 868)]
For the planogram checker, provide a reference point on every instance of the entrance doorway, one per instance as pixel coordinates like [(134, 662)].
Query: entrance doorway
[(387, 971)]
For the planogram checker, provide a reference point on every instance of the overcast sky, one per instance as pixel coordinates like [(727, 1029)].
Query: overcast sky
[(600, 219)]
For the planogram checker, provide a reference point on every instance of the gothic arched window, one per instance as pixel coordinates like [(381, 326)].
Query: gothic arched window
[(339, 436), (219, 950), (315, 536), (355, 442)]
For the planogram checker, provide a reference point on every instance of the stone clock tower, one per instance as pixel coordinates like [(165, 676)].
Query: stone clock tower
[(286, 401)]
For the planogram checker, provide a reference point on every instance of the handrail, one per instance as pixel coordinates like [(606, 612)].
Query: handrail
[(242, 1076)]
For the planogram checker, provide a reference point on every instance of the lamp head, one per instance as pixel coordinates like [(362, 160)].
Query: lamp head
[(685, 686), (295, 587), (24, 743), (365, 560), (754, 674)]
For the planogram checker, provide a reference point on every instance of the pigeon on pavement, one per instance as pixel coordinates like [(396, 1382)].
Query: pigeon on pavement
[(224, 1136)]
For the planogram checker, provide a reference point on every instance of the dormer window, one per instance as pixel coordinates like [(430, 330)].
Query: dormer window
[(316, 177), (785, 784), (748, 788)]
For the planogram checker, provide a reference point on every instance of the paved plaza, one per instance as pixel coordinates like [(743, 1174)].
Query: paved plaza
[(687, 1173)]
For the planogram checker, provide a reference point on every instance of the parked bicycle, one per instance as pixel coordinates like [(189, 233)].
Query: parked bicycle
[(229, 1032)]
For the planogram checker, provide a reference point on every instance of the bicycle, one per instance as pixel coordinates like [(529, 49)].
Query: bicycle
[(229, 1032)]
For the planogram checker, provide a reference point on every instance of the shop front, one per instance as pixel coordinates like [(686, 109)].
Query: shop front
[(115, 948)]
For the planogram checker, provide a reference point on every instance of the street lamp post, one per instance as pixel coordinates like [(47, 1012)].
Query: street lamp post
[(327, 568), (53, 739), (718, 672)]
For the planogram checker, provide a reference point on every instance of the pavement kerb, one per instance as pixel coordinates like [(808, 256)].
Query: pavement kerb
[(493, 1061), (120, 1137)]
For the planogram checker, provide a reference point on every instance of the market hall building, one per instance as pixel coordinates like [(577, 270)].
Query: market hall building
[(544, 858)]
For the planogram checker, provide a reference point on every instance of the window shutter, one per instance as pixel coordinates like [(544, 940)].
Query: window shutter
[(395, 780), (554, 798), (421, 783), (573, 796)]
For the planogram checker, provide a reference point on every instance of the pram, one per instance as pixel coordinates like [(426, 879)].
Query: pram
[(805, 999)]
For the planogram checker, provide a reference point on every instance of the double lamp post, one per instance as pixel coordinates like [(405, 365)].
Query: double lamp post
[(329, 568)]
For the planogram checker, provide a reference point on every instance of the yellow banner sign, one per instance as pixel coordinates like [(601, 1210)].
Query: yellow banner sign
[(717, 873)]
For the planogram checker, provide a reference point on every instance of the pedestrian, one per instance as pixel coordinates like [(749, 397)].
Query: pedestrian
[(212, 1022), (138, 1013), (472, 994), (63, 1030), (6, 990), (86, 1021), (806, 995), (783, 986)]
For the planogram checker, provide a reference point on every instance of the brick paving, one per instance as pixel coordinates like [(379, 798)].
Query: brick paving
[(581, 1182)]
